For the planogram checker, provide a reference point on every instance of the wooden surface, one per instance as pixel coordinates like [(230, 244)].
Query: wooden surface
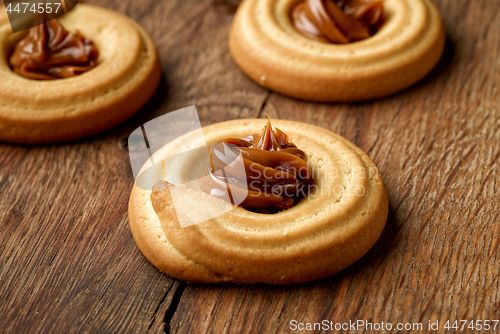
[(68, 262)]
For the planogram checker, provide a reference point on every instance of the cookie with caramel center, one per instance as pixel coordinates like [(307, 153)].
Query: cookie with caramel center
[(304, 49), (326, 231), (122, 79)]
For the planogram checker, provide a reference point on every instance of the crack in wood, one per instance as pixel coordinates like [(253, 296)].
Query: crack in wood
[(263, 104), (174, 304), (153, 317), (229, 6)]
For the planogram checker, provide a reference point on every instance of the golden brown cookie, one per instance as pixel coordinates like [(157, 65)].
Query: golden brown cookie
[(322, 234), (126, 76), (269, 49)]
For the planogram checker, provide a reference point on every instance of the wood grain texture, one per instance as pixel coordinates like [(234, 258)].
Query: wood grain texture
[(68, 262)]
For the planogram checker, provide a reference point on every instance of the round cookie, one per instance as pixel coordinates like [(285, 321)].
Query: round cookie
[(267, 47), (126, 76), (322, 234)]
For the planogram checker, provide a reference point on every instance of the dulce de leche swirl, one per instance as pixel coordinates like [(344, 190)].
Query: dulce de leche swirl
[(50, 52), (338, 21), (277, 176)]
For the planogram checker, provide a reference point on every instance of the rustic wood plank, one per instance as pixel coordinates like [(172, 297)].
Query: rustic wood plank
[(68, 262), (437, 145)]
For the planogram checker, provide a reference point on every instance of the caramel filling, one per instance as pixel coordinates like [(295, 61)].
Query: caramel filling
[(338, 21), (50, 52), (277, 176)]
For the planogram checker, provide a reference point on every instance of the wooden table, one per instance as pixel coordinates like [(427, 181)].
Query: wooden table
[(68, 262)]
